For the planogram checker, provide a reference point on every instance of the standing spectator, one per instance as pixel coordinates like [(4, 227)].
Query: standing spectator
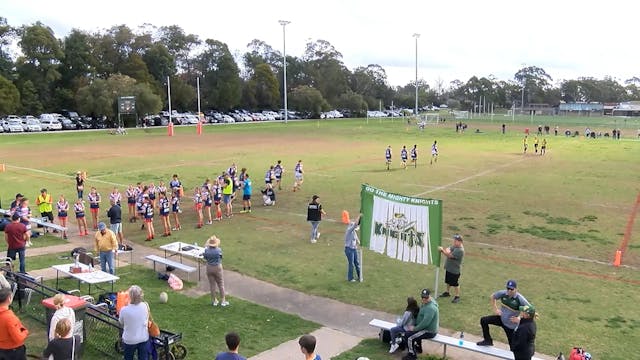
[(115, 220), (15, 203), (227, 192), (213, 257), (15, 234), (94, 206), (452, 265), (233, 343), (426, 327), (387, 155), (351, 243), (308, 347), (63, 213), (45, 205), (278, 171), (414, 155), (434, 152), (402, 324), (64, 345), (134, 319), (12, 332), (78, 209), (314, 215), (106, 245), (506, 316), (298, 176), (80, 179), (62, 312), (246, 194), (25, 216), (523, 343)]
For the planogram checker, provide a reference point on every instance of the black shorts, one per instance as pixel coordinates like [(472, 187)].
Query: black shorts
[(451, 279), (246, 197), (48, 215)]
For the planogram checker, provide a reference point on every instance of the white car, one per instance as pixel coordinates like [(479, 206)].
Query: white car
[(13, 125), (227, 119), (49, 122), (189, 119), (31, 125)]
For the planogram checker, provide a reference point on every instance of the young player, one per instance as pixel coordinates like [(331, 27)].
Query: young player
[(164, 207), (543, 148), (140, 195), (278, 170), (147, 207), (299, 176), (207, 200), (387, 155), (525, 144), (414, 155), (246, 194), (115, 196), (63, 212), (434, 152), (78, 208), (269, 176), (197, 200), (175, 209), (131, 202), (94, 206), (403, 157), (151, 191), (216, 192), (535, 144)]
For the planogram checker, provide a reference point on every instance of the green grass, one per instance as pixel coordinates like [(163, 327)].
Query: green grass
[(374, 350), (46, 261), (47, 240), (573, 202)]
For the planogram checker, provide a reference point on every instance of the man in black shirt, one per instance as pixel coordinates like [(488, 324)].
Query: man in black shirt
[(115, 221), (314, 215)]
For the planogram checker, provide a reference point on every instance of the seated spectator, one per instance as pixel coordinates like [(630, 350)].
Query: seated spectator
[(426, 327), (408, 319), (268, 195)]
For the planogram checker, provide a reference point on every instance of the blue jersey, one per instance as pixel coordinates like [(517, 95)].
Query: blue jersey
[(387, 154), (246, 187), (403, 154), (414, 153), (164, 206)]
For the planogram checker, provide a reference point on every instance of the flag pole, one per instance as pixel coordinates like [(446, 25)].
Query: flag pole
[(361, 265)]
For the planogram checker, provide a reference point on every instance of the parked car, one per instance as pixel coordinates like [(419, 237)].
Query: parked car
[(67, 124), (189, 119), (13, 125), (31, 125), (50, 122), (227, 119)]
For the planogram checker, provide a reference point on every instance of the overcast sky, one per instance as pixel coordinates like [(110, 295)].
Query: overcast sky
[(459, 38)]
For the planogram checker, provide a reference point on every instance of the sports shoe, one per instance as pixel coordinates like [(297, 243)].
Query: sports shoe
[(353, 280), (485, 343), (313, 241), (456, 299), (393, 347), (215, 302), (209, 222), (445, 294), (318, 236), (224, 303)]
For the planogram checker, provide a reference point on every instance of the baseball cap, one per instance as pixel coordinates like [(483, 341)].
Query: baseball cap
[(511, 284), (529, 309), (18, 195), (15, 216), (102, 226), (425, 293), (457, 237)]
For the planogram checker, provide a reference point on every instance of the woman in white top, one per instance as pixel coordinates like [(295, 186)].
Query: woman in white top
[(134, 319), (62, 312)]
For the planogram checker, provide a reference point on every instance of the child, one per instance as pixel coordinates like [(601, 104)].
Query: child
[(175, 209), (217, 198), (94, 206), (25, 214), (78, 208), (115, 196), (148, 217), (165, 208), (197, 200), (268, 196), (131, 202), (206, 199), (408, 319), (63, 211)]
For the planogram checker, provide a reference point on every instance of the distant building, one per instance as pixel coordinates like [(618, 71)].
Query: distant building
[(630, 108), (581, 109)]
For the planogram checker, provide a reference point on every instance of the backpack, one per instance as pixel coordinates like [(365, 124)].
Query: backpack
[(110, 299)]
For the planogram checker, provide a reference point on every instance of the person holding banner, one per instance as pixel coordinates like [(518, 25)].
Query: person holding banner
[(351, 243), (452, 264), (314, 216)]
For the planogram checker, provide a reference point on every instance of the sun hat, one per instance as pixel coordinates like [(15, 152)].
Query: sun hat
[(213, 241)]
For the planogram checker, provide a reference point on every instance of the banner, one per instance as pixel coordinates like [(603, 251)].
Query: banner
[(402, 227)]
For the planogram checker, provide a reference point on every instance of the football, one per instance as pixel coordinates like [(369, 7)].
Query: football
[(164, 297)]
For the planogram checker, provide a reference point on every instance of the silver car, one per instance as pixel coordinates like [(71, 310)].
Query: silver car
[(14, 125)]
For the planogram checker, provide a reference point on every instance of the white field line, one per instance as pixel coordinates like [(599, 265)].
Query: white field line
[(61, 175), (482, 173), (325, 175), (451, 188), (183, 163)]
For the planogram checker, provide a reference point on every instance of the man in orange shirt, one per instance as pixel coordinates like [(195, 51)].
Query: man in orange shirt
[(12, 332)]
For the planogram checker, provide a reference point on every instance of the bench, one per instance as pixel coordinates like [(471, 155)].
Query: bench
[(451, 341), (158, 259), (44, 222)]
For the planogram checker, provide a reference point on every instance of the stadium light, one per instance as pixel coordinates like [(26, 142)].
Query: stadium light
[(284, 23), (416, 35)]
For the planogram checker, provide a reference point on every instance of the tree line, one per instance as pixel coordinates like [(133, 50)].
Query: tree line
[(88, 71)]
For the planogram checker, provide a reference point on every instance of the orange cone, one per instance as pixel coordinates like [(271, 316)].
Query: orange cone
[(618, 259), (345, 217), (2, 168)]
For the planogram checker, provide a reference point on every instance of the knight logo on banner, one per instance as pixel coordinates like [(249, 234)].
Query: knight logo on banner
[(401, 227)]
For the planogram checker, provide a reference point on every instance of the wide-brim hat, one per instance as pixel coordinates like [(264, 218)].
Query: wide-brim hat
[(213, 241)]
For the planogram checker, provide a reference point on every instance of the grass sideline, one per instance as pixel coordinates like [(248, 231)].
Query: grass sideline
[(551, 222)]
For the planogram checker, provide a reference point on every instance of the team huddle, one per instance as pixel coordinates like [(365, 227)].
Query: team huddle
[(413, 153)]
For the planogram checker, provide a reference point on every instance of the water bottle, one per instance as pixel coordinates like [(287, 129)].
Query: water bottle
[(461, 341)]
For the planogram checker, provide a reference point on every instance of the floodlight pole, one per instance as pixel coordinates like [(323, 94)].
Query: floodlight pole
[(284, 23), (416, 35), (524, 83)]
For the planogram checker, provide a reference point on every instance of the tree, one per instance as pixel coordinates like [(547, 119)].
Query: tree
[(371, 83), (7, 34), (535, 81), (179, 44), (353, 102), (29, 97), (221, 82), (9, 97), (78, 64), (265, 85), (323, 65), (261, 53), (306, 98)]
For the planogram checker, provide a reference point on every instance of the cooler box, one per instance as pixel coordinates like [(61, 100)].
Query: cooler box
[(78, 305)]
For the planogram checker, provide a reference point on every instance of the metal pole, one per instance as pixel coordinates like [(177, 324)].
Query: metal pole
[(198, 87), (284, 23), (169, 96), (416, 35)]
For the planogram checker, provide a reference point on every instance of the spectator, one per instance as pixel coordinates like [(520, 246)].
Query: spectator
[(233, 343), (45, 206), (15, 203), (426, 327), (12, 332), (351, 243), (308, 347), (134, 319), (506, 316), (106, 245), (25, 216), (62, 312), (408, 319), (15, 234), (246, 194), (314, 216), (452, 264), (80, 179), (115, 220), (213, 256), (523, 343)]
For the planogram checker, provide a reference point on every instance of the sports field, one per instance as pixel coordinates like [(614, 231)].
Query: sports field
[(552, 222)]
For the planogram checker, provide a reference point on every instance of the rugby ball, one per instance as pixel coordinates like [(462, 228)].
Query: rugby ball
[(164, 297)]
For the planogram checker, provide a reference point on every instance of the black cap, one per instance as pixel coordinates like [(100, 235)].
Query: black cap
[(425, 293), (18, 195), (15, 217)]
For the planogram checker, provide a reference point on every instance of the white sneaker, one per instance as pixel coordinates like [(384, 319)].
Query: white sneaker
[(313, 241), (318, 236), (215, 302), (393, 348), (224, 303)]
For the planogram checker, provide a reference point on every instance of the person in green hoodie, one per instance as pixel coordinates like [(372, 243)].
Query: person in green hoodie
[(426, 326)]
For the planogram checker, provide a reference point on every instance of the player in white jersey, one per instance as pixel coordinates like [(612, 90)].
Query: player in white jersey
[(299, 176), (434, 152)]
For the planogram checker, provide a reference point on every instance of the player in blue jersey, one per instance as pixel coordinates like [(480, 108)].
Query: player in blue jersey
[(414, 155), (403, 157), (387, 155)]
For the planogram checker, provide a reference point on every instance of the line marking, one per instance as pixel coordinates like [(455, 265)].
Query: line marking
[(482, 173), (61, 175), (452, 188)]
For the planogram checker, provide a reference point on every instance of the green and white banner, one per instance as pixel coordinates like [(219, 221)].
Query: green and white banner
[(403, 227)]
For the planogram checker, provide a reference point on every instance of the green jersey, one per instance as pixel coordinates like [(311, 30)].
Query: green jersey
[(452, 264), (428, 317)]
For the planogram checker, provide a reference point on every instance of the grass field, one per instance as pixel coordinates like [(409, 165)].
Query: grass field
[(552, 222)]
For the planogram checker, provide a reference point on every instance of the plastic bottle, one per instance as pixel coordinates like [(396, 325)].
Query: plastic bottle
[(461, 341)]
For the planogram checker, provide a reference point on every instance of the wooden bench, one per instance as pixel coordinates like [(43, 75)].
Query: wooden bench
[(158, 259), (451, 341)]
